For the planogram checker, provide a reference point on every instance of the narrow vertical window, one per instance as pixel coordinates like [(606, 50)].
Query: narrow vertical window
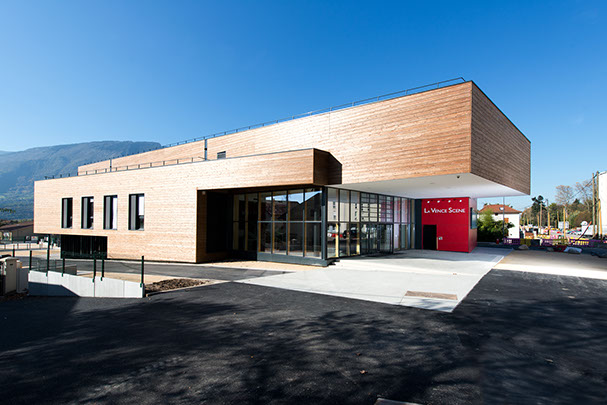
[(86, 213), (110, 212), (66, 212), (136, 212)]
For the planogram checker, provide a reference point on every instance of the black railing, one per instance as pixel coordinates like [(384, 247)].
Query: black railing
[(389, 96)]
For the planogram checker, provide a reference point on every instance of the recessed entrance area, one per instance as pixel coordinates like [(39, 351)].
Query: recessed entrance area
[(313, 225)]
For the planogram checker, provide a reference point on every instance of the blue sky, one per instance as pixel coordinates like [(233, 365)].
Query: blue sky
[(165, 71)]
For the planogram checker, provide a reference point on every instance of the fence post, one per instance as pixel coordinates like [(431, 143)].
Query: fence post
[(94, 268), (13, 250), (62, 266), (48, 254), (30, 260), (142, 267), (102, 268)]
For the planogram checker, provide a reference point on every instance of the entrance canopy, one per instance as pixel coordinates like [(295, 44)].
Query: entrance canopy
[(449, 185)]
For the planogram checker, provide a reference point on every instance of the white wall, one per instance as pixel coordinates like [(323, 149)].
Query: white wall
[(603, 199), (514, 219), (57, 284)]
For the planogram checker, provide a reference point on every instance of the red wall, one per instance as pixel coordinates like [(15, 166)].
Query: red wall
[(452, 219)]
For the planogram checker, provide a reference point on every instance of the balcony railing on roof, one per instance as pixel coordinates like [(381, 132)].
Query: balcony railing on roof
[(389, 96)]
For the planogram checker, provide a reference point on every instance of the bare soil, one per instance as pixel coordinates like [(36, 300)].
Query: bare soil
[(13, 297), (173, 284)]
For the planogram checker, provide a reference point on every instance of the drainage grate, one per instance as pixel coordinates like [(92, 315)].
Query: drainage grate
[(383, 401), (424, 294)]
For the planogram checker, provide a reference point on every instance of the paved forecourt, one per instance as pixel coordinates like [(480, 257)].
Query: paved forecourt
[(416, 278)]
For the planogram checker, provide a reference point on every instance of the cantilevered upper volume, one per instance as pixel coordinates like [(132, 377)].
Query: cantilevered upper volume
[(450, 141), (451, 130)]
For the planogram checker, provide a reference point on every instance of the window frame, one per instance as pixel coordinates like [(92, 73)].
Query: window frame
[(111, 223), (136, 205), (87, 212), (67, 212)]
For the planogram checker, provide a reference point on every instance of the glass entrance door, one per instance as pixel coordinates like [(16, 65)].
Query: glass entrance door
[(368, 239), (384, 236)]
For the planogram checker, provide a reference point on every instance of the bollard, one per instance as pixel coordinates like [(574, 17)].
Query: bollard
[(13, 250), (30, 264), (62, 266), (94, 269), (142, 265), (102, 268)]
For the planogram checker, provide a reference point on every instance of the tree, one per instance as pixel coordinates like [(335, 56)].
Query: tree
[(489, 230), (539, 206), (553, 212), (564, 196), (584, 192)]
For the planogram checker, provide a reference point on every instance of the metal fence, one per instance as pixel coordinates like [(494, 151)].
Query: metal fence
[(85, 267), (588, 243), (13, 246)]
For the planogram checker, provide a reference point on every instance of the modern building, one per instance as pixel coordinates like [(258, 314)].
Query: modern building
[(602, 203), (394, 172), (507, 214), (17, 232)]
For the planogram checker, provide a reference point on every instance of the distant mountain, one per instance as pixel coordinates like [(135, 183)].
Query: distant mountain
[(19, 170)]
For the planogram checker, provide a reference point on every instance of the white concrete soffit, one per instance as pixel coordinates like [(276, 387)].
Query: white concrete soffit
[(450, 185)]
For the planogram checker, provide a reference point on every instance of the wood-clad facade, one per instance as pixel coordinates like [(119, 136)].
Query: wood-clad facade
[(450, 131)]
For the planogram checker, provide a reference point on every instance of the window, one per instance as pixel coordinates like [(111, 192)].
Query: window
[(313, 204), (87, 213), (296, 205), (355, 206), (332, 207), (245, 222), (280, 205), (136, 212), (221, 155), (66, 212), (313, 239), (344, 205), (110, 212), (289, 222)]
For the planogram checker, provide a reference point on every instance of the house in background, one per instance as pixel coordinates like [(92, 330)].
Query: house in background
[(17, 232), (509, 215)]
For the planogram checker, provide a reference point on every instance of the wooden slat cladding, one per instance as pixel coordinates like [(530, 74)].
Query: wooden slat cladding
[(417, 135), (500, 152), (171, 198), (189, 150)]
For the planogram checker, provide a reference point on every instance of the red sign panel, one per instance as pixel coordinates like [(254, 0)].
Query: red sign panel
[(451, 216)]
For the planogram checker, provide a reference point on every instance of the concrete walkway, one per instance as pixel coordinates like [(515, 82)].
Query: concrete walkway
[(556, 263), (417, 278)]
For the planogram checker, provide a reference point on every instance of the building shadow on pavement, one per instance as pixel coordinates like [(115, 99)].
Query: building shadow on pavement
[(237, 343)]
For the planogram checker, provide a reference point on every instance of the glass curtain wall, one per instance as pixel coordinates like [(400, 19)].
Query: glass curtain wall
[(289, 222), (365, 223), (283, 222)]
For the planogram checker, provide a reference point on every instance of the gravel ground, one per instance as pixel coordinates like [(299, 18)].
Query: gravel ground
[(173, 284)]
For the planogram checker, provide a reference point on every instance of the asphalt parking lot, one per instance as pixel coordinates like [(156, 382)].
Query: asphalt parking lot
[(517, 338)]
